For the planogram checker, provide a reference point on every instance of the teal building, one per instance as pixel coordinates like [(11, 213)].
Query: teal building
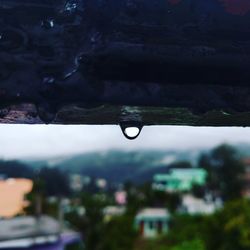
[(180, 180)]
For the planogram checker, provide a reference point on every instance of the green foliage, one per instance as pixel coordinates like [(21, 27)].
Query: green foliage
[(198, 191), (195, 244), (229, 229), (48, 182), (55, 182), (147, 244), (93, 227), (145, 196), (163, 244), (224, 171), (185, 228), (119, 234)]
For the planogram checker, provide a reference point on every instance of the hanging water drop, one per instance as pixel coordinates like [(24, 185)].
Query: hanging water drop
[(131, 130), (49, 80)]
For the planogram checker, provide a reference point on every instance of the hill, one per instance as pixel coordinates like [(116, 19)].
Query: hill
[(119, 166)]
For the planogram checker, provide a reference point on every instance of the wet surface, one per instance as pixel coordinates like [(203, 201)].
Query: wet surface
[(235, 7), (153, 55), (26, 114)]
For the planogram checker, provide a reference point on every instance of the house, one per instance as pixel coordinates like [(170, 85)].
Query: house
[(110, 212), (121, 197), (12, 196), (101, 183), (179, 179), (37, 233), (152, 222), (76, 182), (193, 206)]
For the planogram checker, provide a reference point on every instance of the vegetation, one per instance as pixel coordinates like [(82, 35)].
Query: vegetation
[(227, 229), (225, 171)]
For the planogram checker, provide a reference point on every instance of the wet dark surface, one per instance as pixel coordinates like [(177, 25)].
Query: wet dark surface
[(85, 61)]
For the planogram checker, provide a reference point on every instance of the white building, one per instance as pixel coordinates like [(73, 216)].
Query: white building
[(152, 222), (193, 205), (110, 212), (76, 182)]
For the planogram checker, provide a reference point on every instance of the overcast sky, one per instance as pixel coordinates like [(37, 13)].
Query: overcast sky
[(22, 141)]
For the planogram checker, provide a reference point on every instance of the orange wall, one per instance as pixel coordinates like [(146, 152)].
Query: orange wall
[(12, 193)]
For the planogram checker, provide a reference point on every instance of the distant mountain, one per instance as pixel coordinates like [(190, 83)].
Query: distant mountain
[(15, 169), (119, 166), (44, 162)]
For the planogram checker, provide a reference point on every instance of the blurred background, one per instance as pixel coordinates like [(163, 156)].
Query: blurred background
[(88, 187)]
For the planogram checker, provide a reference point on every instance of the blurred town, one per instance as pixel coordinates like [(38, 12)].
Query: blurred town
[(120, 200)]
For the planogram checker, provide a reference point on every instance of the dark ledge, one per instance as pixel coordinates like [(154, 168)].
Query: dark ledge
[(106, 62)]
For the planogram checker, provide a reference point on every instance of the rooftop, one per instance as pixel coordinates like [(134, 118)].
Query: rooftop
[(114, 210), (28, 232), (28, 226), (147, 213), (182, 173)]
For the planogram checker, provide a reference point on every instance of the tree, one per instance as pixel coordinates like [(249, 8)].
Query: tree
[(229, 228), (225, 171), (186, 233), (195, 244), (145, 196), (181, 164), (93, 227), (55, 182), (47, 182), (198, 191), (119, 233), (36, 198)]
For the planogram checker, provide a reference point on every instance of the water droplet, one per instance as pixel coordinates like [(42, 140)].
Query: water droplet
[(131, 130), (48, 24), (70, 6), (95, 37), (48, 80)]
